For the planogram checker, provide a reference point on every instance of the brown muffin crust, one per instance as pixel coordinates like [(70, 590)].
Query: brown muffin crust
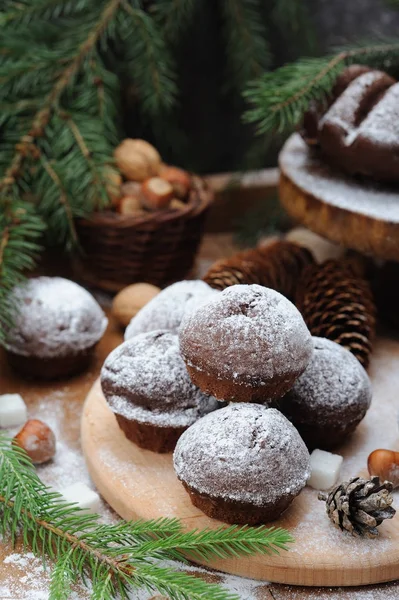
[(242, 464), (330, 398), (57, 327), (238, 513), (150, 437), (247, 344), (50, 368), (147, 386)]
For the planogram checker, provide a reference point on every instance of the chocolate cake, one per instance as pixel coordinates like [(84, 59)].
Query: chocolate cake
[(57, 326), (147, 386), (330, 398), (243, 464), (358, 130), (246, 344), (167, 309)]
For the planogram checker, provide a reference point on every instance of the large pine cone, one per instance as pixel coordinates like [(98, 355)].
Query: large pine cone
[(337, 303), (278, 266), (360, 505)]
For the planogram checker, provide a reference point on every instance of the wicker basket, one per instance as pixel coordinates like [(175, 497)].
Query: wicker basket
[(157, 248)]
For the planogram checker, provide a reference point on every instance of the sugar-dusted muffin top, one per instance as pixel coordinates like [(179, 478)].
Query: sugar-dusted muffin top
[(244, 453), (145, 379), (248, 333), (167, 309), (54, 317), (334, 389)]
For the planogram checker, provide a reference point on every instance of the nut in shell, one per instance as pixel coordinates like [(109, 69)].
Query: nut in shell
[(113, 181), (156, 193), (137, 160), (179, 179), (130, 205), (38, 441), (131, 299), (385, 464)]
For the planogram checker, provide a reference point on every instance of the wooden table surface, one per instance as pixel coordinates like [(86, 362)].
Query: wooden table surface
[(60, 404)]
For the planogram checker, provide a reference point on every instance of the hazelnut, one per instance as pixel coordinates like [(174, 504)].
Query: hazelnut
[(113, 181), (131, 299), (130, 205), (130, 188), (137, 159), (385, 464), (176, 204), (38, 441), (180, 180), (156, 193)]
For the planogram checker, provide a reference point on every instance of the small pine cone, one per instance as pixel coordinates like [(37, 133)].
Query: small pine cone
[(336, 303), (277, 266), (359, 505), (239, 269)]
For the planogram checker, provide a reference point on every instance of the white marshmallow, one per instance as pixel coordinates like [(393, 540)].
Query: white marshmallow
[(324, 469), (13, 411), (83, 496)]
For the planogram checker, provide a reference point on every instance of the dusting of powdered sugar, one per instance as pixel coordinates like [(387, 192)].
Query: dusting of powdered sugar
[(315, 177), (247, 332), (333, 387), (55, 317), (167, 309), (381, 126), (245, 453), (344, 110), (145, 379), (27, 579)]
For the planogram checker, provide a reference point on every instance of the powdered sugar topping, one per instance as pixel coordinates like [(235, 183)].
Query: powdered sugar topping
[(317, 178), (249, 333), (244, 452), (381, 126), (343, 111), (334, 384), (167, 309), (145, 379), (55, 317)]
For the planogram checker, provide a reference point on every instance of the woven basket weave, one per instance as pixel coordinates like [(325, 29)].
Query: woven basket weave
[(157, 248)]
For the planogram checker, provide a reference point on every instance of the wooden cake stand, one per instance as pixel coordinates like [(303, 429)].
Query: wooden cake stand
[(360, 215), (142, 484)]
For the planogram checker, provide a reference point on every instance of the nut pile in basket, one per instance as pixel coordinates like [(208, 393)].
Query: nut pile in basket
[(149, 184)]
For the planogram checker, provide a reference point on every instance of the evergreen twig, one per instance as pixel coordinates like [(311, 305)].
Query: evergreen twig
[(247, 50), (20, 231), (115, 558), (279, 99)]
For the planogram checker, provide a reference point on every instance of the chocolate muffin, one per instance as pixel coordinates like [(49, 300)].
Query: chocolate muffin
[(243, 464), (167, 309), (56, 328), (330, 398), (146, 385), (246, 344)]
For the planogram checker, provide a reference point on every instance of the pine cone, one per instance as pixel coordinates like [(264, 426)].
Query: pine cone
[(360, 505), (278, 266), (337, 303)]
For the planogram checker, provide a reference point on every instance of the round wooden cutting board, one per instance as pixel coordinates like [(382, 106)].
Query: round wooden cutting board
[(358, 214), (142, 484)]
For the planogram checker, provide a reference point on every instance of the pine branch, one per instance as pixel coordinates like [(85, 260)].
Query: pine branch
[(174, 16), (20, 231), (42, 117), (115, 558), (247, 50), (149, 62), (279, 99), (292, 19), (25, 10)]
